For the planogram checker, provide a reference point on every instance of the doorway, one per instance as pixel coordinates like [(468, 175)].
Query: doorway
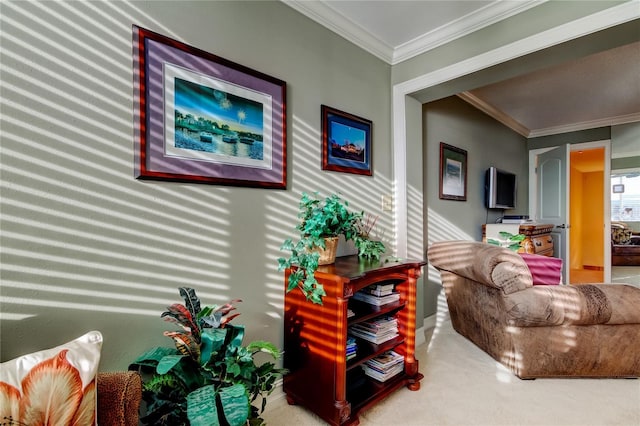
[(586, 214), (586, 236), (625, 212)]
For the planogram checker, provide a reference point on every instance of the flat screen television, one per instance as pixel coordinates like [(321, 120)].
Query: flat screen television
[(500, 189)]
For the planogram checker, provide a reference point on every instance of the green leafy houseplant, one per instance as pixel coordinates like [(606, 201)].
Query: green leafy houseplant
[(321, 219), (510, 241), (209, 378)]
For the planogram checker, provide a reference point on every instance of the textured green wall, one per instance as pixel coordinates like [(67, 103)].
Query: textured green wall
[(85, 245)]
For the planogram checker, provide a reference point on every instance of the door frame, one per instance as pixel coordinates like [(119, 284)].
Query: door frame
[(606, 144), (406, 110)]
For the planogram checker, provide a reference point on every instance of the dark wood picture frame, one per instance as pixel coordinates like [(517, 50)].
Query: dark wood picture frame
[(453, 173), (618, 188), (200, 118), (346, 142)]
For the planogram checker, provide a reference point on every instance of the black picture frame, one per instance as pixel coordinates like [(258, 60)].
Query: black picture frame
[(453, 173), (618, 188)]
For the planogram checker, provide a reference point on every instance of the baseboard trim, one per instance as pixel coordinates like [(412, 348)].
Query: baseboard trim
[(430, 321), (427, 323), (593, 268)]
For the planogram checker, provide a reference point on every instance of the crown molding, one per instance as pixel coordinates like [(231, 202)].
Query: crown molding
[(519, 128), (495, 113), (593, 124), (465, 25), (321, 12), (581, 27), (328, 17)]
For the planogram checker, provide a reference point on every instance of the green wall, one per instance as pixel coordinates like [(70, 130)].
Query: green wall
[(86, 246), (488, 143)]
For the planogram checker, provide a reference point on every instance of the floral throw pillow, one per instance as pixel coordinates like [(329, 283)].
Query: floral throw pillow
[(52, 387), (620, 235)]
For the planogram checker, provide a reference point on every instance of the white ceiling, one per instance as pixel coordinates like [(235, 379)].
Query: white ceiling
[(594, 91)]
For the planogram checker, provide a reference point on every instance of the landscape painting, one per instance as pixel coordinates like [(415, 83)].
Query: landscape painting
[(453, 173), (346, 142), (215, 121)]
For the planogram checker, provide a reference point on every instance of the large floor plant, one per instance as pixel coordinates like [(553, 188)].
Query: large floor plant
[(209, 377)]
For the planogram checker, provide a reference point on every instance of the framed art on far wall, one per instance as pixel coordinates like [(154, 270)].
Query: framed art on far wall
[(453, 173), (200, 118), (346, 142)]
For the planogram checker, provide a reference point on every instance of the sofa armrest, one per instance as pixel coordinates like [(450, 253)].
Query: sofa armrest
[(119, 396), (487, 264)]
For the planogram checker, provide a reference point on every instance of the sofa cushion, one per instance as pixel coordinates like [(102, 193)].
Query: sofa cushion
[(544, 270), (573, 305), (52, 386)]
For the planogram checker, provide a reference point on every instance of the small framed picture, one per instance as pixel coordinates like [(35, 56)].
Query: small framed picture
[(346, 142), (453, 173), (618, 188)]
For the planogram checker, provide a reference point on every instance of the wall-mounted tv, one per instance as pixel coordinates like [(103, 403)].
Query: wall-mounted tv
[(500, 189)]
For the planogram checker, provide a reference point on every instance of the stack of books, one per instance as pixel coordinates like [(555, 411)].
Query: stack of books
[(385, 366), (378, 294), (351, 347), (378, 330)]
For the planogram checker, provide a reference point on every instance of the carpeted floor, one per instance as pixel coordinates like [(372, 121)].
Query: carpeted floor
[(464, 386)]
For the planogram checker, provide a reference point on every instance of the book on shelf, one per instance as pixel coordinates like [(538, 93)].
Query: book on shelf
[(383, 377), (377, 331), (376, 300), (377, 339), (383, 286), (385, 360), (352, 345), (381, 289), (384, 366)]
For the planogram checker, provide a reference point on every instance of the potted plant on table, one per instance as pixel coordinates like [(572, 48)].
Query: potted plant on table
[(511, 241), (321, 223), (209, 377)]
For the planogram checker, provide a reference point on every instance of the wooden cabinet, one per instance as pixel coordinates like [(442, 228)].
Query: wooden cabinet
[(320, 378), (537, 238)]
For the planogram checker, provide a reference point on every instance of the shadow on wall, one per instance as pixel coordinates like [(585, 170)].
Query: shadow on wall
[(85, 245)]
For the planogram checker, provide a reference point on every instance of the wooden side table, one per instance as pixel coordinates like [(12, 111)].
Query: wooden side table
[(321, 378), (537, 238)]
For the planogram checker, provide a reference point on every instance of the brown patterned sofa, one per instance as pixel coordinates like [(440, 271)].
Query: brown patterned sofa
[(543, 330), (625, 245), (119, 396)]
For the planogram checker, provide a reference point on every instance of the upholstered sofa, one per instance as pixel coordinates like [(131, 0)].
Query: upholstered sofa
[(538, 330), (119, 396), (625, 245)]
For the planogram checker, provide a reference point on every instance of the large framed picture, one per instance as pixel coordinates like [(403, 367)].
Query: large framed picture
[(203, 119), (453, 173), (346, 142)]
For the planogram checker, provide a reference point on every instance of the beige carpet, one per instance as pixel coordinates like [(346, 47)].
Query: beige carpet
[(464, 386)]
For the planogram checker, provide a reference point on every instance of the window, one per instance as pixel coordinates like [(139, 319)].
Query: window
[(625, 196)]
